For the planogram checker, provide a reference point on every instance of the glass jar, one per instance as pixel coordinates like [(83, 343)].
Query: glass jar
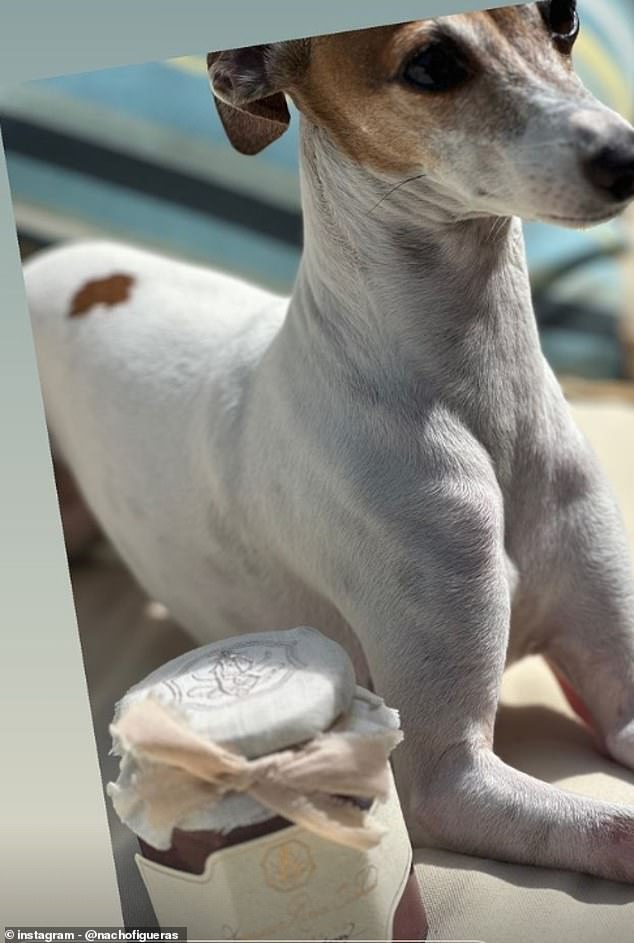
[(237, 870)]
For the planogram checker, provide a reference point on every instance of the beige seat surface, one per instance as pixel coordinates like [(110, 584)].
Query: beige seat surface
[(124, 637)]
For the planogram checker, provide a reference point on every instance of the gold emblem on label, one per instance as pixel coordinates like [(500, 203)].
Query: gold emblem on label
[(288, 866)]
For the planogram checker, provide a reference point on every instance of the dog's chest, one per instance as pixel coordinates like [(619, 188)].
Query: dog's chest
[(194, 560)]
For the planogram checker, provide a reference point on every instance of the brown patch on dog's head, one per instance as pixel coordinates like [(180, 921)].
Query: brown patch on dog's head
[(356, 84), (352, 89), (109, 291)]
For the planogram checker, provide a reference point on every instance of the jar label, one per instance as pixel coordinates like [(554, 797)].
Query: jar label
[(291, 885)]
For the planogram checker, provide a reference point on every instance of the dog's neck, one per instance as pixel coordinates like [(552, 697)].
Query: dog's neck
[(405, 299)]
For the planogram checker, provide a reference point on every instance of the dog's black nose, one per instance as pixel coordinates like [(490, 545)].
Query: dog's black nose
[(611, 169)]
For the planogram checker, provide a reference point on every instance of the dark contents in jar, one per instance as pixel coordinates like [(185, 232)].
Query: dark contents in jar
[(189, 850)]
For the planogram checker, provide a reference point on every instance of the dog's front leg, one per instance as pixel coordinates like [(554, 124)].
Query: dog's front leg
[(433, 611), (588, 632)]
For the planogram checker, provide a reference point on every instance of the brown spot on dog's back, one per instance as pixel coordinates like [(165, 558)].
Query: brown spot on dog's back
[(109, 291)]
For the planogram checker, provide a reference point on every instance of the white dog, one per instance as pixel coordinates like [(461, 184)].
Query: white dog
[(386, 456)]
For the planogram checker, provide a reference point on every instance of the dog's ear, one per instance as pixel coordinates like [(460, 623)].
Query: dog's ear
[(249, 85)]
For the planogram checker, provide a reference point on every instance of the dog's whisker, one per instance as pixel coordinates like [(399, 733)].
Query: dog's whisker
[(393, 190)]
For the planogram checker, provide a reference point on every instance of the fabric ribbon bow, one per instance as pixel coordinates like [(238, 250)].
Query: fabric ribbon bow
[(179, 772)]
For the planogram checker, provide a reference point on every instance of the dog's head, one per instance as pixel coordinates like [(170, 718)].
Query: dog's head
[(485, 105)]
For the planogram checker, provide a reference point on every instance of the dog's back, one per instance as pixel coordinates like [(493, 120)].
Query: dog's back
[(139, 363)]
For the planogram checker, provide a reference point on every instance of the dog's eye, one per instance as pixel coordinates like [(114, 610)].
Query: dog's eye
[(438, 67), (564, 21)]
